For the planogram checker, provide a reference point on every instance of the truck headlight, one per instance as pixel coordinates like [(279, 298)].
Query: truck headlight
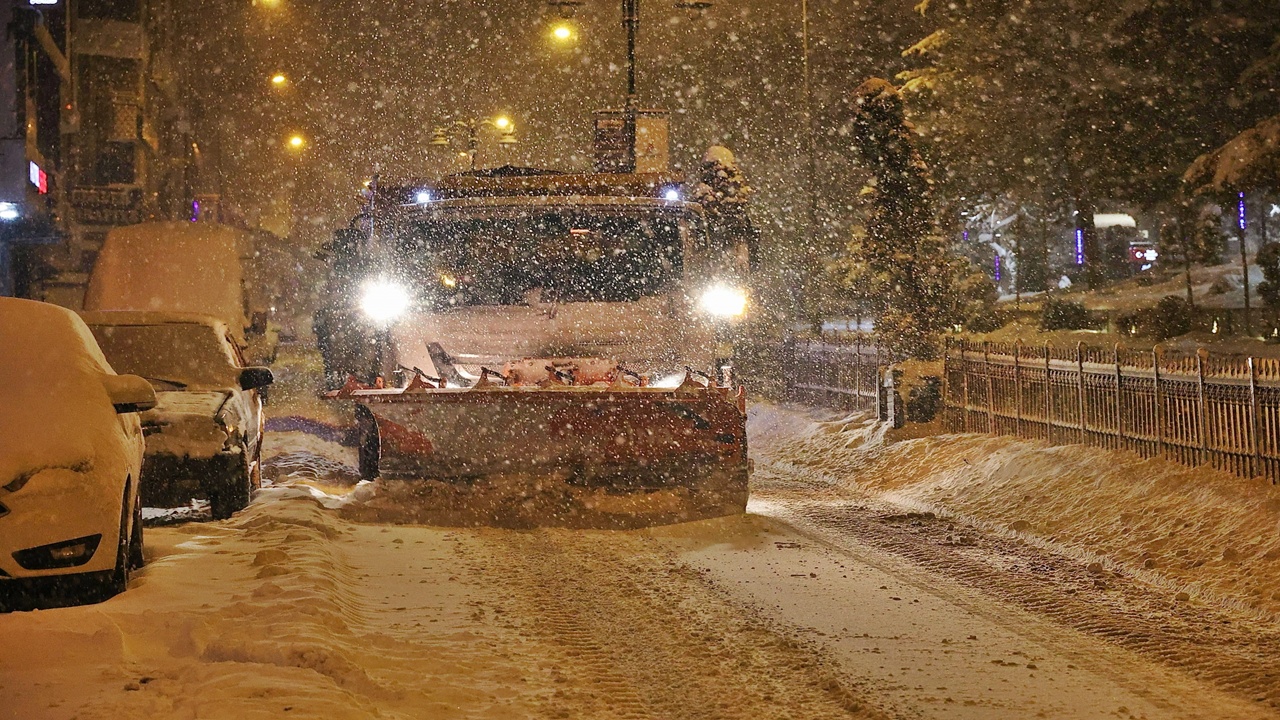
[(384, 301), (723, 301)]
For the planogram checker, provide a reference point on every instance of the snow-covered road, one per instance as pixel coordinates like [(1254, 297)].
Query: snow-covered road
[(818, 603)]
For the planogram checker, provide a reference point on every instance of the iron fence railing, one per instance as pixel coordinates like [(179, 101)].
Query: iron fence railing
[(843, 371), (1195, 408)]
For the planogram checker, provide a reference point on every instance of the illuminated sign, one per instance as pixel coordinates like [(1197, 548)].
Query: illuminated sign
[(44, 2), (1079, 246), (1240, 212), (1142, 253), (38, 177)]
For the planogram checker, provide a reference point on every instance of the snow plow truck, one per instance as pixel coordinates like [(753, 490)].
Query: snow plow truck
[(530, 323)]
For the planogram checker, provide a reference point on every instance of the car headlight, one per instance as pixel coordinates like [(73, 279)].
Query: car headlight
[(384, 301), (723, 301)]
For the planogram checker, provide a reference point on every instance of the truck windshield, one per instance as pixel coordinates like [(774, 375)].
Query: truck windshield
[(490, 256)]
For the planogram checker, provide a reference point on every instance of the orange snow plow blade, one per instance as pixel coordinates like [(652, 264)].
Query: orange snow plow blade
[(607, 435)]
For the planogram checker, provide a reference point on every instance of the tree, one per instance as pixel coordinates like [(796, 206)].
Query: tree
[(1269, 261), (1193, 237), (722, 190), (1090, 99), (898, 264)]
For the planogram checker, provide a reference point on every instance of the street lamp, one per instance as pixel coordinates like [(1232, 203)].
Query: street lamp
[(297, 142), (279, 80), (562, 32), (468, 131)]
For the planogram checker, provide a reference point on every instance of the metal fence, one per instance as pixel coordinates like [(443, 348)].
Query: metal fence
[(841, 371), (1193, 408)]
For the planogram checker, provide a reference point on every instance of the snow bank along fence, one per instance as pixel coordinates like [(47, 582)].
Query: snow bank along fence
[(1195, 408), (842, 370)]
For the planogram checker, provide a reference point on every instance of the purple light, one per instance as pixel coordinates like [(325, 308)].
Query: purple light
[(1240, 212), (966, 236), (1079, 246), (997, 267), (195, 210)]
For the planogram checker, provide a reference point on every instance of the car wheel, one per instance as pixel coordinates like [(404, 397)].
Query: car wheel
[(233, 493), (113, 582), (368, 445), (136, 560), (255, 478)]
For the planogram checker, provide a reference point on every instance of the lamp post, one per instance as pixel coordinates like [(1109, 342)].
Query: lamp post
[(809, 251), (468, 131)]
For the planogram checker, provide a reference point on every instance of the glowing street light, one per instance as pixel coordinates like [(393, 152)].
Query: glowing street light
[(562, 32), (297, 142), (279, 80)]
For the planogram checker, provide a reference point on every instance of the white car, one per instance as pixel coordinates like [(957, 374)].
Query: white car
[(71, 449), (207, 424)]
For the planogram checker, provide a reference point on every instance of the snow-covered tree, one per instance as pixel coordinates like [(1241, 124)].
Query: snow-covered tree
[(721, 188), (898, 264)]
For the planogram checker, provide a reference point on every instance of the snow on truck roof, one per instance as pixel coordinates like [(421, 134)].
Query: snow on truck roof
[(172, 267), (151, 317), (524, 203), (540, 183)]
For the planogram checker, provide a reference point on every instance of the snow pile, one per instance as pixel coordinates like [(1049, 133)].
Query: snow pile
[(1196, 530), (287, 630), (301, 455)]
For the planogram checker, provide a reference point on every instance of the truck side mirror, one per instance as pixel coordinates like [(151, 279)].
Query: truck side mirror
[(129, 393), (252, 378)]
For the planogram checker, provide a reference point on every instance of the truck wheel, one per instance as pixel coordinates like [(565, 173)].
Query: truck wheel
[(369, 445), (232, 494)]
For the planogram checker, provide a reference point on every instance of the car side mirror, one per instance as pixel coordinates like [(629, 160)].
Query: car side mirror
[(129, 393), (252, 378)]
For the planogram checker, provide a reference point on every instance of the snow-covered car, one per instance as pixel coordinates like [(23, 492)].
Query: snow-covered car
[(71, 452), (207, 423)]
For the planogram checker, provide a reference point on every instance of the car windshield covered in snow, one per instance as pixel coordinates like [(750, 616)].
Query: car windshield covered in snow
[(171, 355), (487, 256)]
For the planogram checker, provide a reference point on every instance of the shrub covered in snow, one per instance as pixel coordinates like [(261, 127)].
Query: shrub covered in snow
[(1058, 314)]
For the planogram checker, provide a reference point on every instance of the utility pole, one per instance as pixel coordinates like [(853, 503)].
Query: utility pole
[(809, 250), (631, 22)]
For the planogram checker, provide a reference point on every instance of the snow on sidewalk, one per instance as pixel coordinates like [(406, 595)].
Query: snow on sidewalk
[(1197, 531)]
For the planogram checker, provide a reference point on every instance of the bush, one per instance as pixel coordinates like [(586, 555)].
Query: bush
[(1269, 261), (1065, 315), (986, 319), (1170, 317)]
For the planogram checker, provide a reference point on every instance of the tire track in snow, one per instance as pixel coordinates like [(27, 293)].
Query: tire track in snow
[(1236, 653), (643, 636)]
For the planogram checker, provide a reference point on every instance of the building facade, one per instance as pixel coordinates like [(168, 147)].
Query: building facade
[(93, 108)]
